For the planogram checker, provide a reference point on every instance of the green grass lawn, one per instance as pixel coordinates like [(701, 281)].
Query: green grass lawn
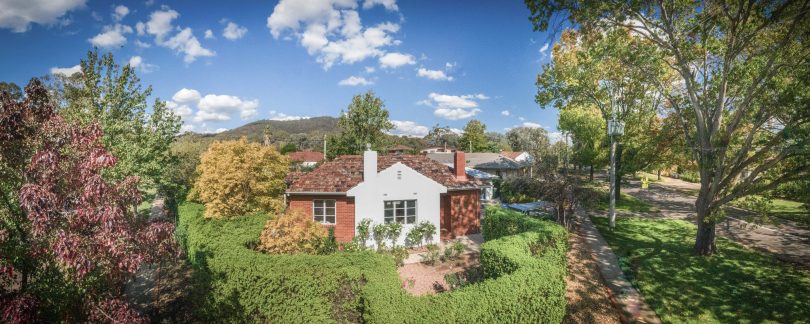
[(737, 285), (627, 203)]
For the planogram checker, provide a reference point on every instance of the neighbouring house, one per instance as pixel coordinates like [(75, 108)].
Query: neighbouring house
[(408, 189), (437, 149), (518, 156), (498, 164), (400, 149), (306, 158)]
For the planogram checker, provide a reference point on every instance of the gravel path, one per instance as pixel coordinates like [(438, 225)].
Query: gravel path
[(785, 241), (587, 295)]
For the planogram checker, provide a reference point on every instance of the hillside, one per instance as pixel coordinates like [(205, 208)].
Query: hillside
[(304, 133)]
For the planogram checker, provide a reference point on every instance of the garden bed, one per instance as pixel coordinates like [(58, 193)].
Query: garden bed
[(422, 278)]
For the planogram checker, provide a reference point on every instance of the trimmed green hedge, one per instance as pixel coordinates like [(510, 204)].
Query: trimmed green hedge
[(523, 259)]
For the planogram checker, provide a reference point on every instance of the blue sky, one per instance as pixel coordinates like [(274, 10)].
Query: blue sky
[(221, 65)]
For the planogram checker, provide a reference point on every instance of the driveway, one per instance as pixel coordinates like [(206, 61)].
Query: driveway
[(785, 240)]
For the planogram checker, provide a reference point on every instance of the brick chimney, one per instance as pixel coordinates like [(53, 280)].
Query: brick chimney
[(458, 166)]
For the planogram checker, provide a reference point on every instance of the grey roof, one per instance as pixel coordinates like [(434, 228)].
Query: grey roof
[(493, 161)]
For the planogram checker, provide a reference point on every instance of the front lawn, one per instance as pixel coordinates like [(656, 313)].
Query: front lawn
[(787, 209), (735, 285), (627, 203)]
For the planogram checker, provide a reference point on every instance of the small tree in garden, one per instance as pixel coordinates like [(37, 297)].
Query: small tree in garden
[(379, 231), (291, 233), (564, 192), (363, 232), (79, 238), (427, 229), (393, 231), (237, 177), (414, 236)]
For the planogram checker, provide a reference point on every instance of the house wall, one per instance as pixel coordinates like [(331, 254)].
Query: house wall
[(398, 182), (344, 213), (460, 213)]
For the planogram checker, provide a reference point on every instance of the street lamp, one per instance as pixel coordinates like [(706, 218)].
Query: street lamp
[(615, 129)]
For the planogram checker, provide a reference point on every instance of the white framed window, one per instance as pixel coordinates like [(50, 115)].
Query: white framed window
[(400, 211), (323, 211)]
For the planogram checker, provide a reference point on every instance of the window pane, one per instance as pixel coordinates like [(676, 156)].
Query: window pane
[(317, 203), (330, 219), (389, 204), (389, 213), (411, 203), (388, 220), (400, 212), (398, 203), (330, 203), (318, 218), (330, 211), (411, 212), (318, 211), (411, 219)]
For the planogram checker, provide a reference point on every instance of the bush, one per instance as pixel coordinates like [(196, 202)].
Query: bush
[(431, 256), (241, 285), (237, 178), (294, 232), (392, 233)]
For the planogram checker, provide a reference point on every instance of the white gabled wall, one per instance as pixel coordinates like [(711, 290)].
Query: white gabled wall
[(398, 182)]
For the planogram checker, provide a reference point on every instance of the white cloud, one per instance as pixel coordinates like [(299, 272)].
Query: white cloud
[(355, 81), (186, 128), (505, 113), (555, 137), (544, 48), (331, 30), (449, 66), (137, 62), (160, 26), (120, 12), (209, 34), (220, 130), (111, 36), (531, 125), (233, 31), (433, 74), (140, 27), (66, 71), (187, 96), (370, 69), (408, 128), (395, 60), (454, 107), (18, 15), (521, 118), (184, 111), (214, 107), (275, 115), (390, 5), (142, 44)]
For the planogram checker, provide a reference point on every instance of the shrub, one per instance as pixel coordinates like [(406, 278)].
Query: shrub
[(432, 254), (414, 237), (399, 254), (392, 233), (294, 232), (329, 244), (379, 231), (363, 232), (237, 178), (428, 230), (241, 285)]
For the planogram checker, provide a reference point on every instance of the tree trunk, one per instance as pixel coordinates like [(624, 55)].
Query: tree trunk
[(591, 178), (612, 176), (705, 242), (659, 174), (706, 234)]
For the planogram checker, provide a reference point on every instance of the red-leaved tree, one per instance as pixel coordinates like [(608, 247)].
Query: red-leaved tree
[(82, 230)]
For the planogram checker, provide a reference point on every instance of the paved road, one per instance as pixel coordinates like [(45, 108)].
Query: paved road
[(785, 240)]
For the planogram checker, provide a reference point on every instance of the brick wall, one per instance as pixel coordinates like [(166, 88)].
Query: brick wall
[(459, 214), (344, 213)]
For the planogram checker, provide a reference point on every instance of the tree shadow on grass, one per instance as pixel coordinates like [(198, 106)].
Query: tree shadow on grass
[(734, 285)]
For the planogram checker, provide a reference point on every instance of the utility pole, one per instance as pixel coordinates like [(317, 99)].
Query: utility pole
[(471, 146), (324, 146)]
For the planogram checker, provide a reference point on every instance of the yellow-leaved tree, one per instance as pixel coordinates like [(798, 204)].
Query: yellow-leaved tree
[(293, 232), (237, 177)]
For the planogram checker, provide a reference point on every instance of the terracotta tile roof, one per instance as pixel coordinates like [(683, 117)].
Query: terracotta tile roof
[(306, 156), (345, 172)]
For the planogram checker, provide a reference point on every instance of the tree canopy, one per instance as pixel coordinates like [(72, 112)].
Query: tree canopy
[(365, 121), (735, 77)]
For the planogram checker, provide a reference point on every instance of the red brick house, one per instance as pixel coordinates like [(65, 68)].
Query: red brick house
[(408, 189)]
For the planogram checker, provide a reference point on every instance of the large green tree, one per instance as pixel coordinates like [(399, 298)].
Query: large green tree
[(741, 90), (441, 136), (586, 128), (112, 96), (474, 137), (364, 122)]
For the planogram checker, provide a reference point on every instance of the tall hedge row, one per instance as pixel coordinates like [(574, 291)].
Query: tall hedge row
[(525, 266)]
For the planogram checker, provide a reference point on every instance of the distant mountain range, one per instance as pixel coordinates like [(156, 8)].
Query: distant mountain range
[(254, 131)]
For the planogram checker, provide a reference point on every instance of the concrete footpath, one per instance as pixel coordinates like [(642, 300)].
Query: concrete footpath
[(626, 297)]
